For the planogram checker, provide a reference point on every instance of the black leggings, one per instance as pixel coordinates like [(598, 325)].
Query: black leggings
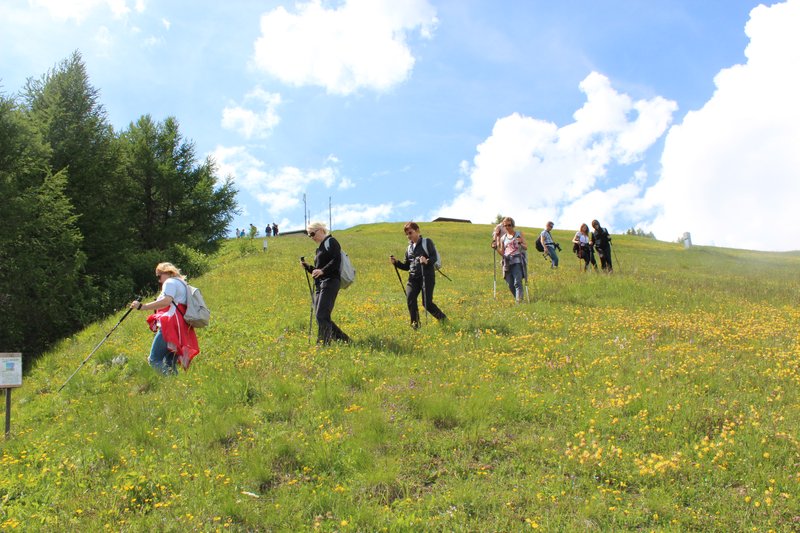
[(413, 288), (327, 329)]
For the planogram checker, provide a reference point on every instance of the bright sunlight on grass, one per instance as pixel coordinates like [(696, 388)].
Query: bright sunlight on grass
[(664, 397)]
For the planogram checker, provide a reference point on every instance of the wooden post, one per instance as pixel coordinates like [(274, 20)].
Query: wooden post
[(8, 412)]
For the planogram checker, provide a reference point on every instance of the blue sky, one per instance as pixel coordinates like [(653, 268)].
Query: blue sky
[(670, 116)]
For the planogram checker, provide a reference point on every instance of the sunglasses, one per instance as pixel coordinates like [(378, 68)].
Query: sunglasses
[(311, 233), (507, 226)]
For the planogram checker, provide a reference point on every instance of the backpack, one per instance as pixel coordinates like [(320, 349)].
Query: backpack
[(438, 263), (197, 313), (347, 272), (539, 247)]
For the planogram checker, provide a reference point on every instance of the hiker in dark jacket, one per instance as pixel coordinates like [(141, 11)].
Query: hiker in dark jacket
[(421, 273), (602, 242), (326, 272)]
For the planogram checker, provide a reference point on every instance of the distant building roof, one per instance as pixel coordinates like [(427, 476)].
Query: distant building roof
[(445, 219)]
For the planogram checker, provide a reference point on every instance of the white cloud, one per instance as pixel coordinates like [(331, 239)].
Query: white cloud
[(535, 171), (280, 190), (361, 43), (104, 40), (345, 216), (79, 10), (253, 123), (152, 41), (730, 170), (346, 183)]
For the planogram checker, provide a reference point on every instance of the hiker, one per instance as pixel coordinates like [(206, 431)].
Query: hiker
[(275, 229), (237, 233), (421, 273), (326, 272), (582, 246), (268, 231), (549, 246), (513, 249), (175, 341), (602, 242)]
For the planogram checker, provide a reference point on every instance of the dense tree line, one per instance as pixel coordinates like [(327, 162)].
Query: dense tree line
[(88, 211)]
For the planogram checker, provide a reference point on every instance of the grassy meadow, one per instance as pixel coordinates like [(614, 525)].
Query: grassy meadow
[(664, 397)]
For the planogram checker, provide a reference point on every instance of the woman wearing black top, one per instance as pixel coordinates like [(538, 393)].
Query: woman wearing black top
[(602, 242), (325, 271), (420, 263)]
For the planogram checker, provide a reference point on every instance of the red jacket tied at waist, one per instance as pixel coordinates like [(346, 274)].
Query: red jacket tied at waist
[(179, 336)]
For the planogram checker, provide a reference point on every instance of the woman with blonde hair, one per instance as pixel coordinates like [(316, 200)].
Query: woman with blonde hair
[(174, 341), (326, 272), (582, 245)]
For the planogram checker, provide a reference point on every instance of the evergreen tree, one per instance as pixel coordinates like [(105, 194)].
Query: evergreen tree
[(176, 199), (87, 212), (41, 280), (65, 108)]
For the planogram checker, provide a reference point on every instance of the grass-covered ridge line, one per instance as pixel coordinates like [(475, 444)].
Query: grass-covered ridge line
[(663, 397)]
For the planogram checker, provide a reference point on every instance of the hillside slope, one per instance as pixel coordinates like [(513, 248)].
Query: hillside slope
[(662, 397)]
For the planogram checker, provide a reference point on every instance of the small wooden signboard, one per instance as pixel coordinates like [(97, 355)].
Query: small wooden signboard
[(10, 377)]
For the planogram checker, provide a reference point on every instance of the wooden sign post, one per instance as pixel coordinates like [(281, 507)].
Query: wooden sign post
[(10, 377)]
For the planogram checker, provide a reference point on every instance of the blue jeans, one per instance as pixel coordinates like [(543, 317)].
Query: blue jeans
[(514, 280), (551, 250), (161, 358)]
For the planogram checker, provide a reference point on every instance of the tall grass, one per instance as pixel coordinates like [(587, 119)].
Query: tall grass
[(663, 397)]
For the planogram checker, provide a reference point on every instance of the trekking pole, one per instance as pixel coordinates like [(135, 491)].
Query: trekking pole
[(311, 295), (96, 347), (494, 283), (424, 291), (396, 271), (616, 259), (439, 270), (525, 272)]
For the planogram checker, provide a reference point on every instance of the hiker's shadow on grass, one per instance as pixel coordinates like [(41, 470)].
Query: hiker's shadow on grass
[(377, 343)]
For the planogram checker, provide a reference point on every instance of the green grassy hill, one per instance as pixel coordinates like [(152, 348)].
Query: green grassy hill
[(664, 397)]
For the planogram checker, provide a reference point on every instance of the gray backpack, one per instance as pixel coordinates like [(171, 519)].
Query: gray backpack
[(347, 272), (197, 313), (438, 263)]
